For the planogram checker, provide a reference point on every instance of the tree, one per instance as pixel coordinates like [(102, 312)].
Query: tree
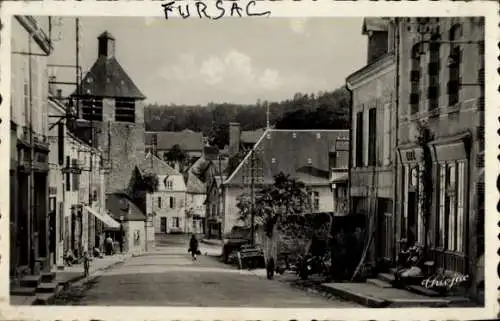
[(176, 155), (424, 137), (219, 135), (276, 207)]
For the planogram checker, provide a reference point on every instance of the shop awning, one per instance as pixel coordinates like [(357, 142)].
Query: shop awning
[(103, 217)]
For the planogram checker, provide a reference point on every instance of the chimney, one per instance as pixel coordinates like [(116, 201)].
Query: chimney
[(106, 45), (234, 138), (52, 86)]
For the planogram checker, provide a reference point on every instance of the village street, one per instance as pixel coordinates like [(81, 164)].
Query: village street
[(168, 277)]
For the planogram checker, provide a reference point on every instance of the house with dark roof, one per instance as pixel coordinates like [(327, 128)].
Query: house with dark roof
[(161, 142), (211, 170), (123, 209), (196, 194), (167, 205), (308, 155)]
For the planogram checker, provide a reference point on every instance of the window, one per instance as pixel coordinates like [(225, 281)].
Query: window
[(433, 73), (176, 222), (169, 185), (125, 110), (415, 75), (314, 200), (92, 108), (195, 221), (451, 219), (359, 139), (372, 137), (172, 202), (442, 198), (181, 202), (387, 135), (68, 174), (340, 159), (76, 177), (159, 201), (455, 60)]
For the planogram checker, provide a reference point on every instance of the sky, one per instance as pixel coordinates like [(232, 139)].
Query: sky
[(197, 61)]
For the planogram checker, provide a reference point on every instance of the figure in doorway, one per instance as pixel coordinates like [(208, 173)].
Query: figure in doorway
[(109, 245)]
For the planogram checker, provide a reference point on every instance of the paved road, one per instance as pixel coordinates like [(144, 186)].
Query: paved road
[(168, 277)]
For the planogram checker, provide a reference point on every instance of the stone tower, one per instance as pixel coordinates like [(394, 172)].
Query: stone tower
[(112, 104)]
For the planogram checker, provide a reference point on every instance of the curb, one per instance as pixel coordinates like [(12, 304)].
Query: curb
[(365, 300), (211, 242)]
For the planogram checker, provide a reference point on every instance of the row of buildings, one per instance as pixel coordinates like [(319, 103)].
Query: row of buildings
[(78, 168), (417, 119)]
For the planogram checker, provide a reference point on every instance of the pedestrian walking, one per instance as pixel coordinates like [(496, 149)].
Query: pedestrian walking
[(193, 247), (86, 263)]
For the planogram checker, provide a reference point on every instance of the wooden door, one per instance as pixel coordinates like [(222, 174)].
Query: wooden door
[(163, 224)]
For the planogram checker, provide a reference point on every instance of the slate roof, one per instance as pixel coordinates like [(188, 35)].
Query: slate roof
[(114, 204), (290, 151), (153, 164), (251, 136), (194, 184), (375, 24), (188, 141), (107, 78)]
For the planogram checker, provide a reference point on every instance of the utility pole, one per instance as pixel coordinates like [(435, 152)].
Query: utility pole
[(252, 195)]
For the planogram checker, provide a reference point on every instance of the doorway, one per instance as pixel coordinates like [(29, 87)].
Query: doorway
[(412, 228), (163, 224), (52, 229)]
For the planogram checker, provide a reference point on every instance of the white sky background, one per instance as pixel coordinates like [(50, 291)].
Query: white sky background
[(196, 61)]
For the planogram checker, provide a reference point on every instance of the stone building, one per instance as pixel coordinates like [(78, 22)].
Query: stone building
[(109, 99), (167, 203), (373, 89), (441, 77), (196, 195), (111, 114), (29, 163)]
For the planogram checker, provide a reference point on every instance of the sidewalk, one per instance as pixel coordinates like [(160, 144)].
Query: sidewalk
[(212, 241), (70, 276), (74, 274)]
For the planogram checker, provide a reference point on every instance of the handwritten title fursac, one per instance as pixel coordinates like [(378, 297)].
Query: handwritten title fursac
[(214, 10)]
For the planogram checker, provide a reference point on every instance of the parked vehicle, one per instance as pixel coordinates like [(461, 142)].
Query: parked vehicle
[(233, 242)]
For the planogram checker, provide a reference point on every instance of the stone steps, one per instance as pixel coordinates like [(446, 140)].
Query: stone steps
[(49, 287), (30, 281), (22, 291), (48, 276)]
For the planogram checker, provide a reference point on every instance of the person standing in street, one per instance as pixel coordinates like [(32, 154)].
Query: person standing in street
[(193, 247), (109, 245)]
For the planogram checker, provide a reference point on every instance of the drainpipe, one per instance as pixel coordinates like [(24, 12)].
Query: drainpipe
[(395, 135), (31, 200)]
